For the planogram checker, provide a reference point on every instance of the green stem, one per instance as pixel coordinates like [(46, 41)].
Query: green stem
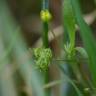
[(47, 81), (45, 34), (46, 45)]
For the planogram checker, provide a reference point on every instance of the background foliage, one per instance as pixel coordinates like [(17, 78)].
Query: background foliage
[(51, 55)]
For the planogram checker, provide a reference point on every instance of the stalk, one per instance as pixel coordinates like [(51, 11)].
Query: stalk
[(45, 16), (45, 44), (45, 35)]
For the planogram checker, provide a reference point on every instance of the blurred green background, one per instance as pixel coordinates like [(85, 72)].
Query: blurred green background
[(20, 30)]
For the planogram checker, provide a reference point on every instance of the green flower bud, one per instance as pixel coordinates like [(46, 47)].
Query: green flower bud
[(45, 15)]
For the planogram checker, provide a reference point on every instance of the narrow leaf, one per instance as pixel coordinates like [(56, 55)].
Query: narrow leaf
[(87, 38)]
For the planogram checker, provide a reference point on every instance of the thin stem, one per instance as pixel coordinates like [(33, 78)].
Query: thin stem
[(47, 81), (46, 44), (45, 35), (45, 6)]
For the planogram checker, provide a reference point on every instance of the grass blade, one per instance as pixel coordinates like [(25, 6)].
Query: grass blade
[(88, 40)]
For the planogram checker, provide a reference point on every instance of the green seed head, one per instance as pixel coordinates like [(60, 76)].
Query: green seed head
[(43, 58)]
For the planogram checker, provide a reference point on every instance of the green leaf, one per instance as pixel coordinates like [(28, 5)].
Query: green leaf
[(69, 21), (88, 40)]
